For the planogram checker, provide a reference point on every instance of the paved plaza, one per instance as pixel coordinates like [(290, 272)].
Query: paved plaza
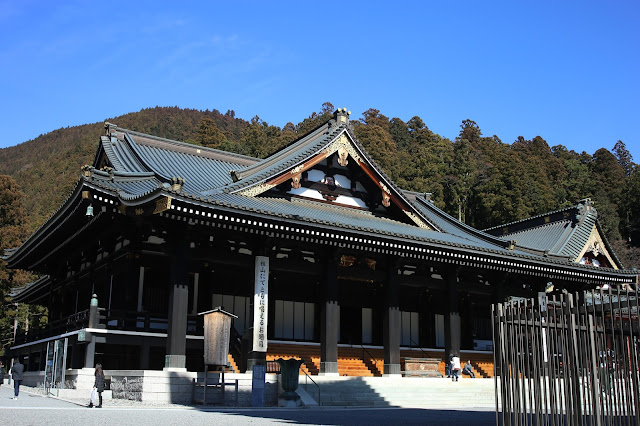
[(34, 409)]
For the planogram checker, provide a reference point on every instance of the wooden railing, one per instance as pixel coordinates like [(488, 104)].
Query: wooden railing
[(112, 319), (53, 328), (145, 321)]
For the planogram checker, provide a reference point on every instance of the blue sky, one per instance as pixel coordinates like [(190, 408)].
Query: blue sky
[(567, 71)]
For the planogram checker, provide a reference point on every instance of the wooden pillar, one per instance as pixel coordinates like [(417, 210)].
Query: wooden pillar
[(175, 357), (497, 297), (330, 320), (468, 333), (43, 357), (498, 289), (196, 284), (391, 323), (75, 356), (140, 288), (426, 321), (90, 352), (452, 316), (145, 344)]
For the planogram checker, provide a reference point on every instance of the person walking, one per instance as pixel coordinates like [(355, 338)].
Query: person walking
[(16, 374), (2, 372), (455, 368), (98, 385)]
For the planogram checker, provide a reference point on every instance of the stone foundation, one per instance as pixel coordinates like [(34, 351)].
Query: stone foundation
[(171, 387)]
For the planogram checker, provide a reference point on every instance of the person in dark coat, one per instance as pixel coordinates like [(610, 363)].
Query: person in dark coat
[(2, 373), (468, 369), (16, 374), (98, 385)]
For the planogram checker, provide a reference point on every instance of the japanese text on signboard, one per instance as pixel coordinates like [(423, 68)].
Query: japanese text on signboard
[(261, 304)]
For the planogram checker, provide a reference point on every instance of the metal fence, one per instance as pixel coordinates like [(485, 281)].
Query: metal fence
[(568, 359)]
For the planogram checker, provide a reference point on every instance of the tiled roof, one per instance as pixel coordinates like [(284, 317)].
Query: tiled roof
[(547, 237), (143, 168), (450, 225), (148, 163), (567, 210), (200, 173), (287, 158), (349, 218), (578, 238), (128, 186), (202, 168), (564, 232), (205, 176)]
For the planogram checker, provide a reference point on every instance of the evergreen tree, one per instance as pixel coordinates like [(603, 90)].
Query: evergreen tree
[(607, 179), (12, 233), (315, 119), (542, 175), (209, 135), (624, 157), (577, 182), (630, 209), (399, 131)]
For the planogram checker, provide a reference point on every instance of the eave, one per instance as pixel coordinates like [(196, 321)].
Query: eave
[(220, 214), (67, 210)]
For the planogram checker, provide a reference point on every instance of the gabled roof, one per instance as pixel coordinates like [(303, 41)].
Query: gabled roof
[(133, 154), (140, 174), (332, 137), (450, 225), (567, 232), (143, 166)]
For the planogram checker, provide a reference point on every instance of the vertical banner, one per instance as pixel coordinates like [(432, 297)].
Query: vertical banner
[(260, 304)]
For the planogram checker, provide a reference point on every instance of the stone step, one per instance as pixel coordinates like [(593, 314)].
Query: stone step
[(404, 392)]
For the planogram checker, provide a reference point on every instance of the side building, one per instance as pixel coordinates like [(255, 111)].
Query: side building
[(160, 230), (573, 233)]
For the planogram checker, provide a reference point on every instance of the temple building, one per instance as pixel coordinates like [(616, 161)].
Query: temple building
[(573, 233), (313, 249)]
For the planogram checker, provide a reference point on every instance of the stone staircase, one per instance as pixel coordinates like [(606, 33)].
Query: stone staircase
[(361, 362), (404, 392), (310, 354), (352, 362), (232, 363)]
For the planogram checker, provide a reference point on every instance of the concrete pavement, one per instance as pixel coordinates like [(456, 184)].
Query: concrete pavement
[(32, 409)]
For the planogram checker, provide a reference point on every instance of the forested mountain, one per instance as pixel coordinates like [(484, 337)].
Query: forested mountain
[(480, 179)]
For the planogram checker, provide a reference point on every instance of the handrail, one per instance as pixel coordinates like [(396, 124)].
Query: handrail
[(418, 346), (375, 362), (235, 347), (314, 382)]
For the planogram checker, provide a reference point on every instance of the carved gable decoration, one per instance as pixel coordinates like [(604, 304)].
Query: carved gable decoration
[(595, 252), (338, 173)]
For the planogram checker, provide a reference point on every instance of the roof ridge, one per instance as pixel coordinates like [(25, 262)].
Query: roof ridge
[(542, 225), (325, 128), (476, 232), (529, 218), (581, 203), (573, 235), (187, 148)]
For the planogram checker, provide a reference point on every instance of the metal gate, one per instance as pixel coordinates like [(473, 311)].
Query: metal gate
[(568, 359)]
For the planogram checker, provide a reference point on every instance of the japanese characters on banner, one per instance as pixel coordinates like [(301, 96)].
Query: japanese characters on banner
[(260, 304)]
